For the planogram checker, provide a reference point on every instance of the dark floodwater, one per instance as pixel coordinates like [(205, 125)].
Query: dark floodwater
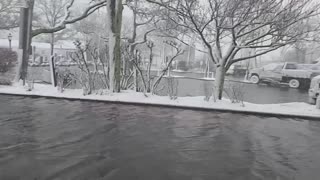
[(59, 139)]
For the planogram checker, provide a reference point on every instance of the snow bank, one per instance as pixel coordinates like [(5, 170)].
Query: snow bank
[(286, 109)]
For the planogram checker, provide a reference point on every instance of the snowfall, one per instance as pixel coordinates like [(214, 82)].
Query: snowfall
[(286, 109)]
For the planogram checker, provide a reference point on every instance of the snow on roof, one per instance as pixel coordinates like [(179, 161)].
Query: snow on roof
[(63, 44), (4, 43)]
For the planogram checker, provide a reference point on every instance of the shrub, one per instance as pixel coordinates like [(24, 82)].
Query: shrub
[(5, 82), (90, 79), (235, 92), (172, 86), (207, 90), (64, 79), (8, 59)]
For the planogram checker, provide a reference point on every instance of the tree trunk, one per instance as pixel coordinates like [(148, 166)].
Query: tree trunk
[(25, 40), (219, 82), (29, 40), (22, 42), (136, 79), (135, 70), (114, 8), (149, 70), (52, 44)]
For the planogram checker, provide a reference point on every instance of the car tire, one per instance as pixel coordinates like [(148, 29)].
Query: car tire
[(312, 100), (255, 79), (294, 83)]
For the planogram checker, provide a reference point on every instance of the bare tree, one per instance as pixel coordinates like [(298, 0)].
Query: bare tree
[(8, 14), (141, 20), (69, 19), (30, 32), (226, 27), (49, 14), (178, 52), (150, 45), (91, 79)]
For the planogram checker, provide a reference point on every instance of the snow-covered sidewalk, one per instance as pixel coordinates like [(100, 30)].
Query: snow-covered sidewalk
[(287, 109)]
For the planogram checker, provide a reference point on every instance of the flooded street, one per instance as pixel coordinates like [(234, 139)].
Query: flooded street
[(59, 139), (190, 84), (253, 93)]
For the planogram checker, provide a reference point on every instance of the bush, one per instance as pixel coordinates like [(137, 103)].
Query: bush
[(64, 79), (8, 59), (235, 92), (207, 90), (5, 82), (172, 86)]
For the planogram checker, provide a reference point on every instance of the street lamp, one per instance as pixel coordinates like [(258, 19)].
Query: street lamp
[(10, 39)]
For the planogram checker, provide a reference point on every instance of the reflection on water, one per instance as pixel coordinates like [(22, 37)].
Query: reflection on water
[(56, 139)]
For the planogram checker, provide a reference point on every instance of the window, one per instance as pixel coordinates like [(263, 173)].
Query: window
[(291, 66), (272, 67)]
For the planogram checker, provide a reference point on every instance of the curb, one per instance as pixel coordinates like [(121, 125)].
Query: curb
[(246, 112)]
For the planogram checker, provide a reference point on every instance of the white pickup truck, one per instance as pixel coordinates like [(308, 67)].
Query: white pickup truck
[(296, 75)]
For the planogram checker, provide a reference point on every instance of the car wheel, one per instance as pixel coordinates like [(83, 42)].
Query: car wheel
[(312, 100), (294, 83), (255, 79)]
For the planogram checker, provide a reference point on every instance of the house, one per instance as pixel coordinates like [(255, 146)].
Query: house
[(163, 52), (41, 51)]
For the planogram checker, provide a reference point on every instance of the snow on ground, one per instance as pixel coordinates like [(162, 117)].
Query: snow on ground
[(208, 78), (290, 109), (174, 76), (177, 70)]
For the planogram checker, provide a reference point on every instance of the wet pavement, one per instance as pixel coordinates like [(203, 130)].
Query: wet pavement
[(59, 139)]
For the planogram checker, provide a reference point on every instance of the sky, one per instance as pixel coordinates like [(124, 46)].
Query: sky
[(83, 3)]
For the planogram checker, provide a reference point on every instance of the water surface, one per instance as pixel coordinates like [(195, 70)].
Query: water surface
[(59, 139)]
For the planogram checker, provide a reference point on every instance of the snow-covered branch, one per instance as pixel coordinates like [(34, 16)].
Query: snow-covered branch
[(89, 10)]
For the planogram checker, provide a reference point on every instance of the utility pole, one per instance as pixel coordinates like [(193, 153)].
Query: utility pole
[(52, 62), (22, 39), (25, 38)]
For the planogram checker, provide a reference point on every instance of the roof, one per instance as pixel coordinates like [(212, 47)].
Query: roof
[(4, 43)]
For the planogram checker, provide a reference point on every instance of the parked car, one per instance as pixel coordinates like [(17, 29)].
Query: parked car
[(293, 74), (230, 70), (314, 90)]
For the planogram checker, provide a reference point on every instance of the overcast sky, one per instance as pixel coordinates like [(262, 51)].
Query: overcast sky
[(84, 3)]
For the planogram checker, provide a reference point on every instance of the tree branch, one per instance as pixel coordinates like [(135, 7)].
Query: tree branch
[(66, 21)]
